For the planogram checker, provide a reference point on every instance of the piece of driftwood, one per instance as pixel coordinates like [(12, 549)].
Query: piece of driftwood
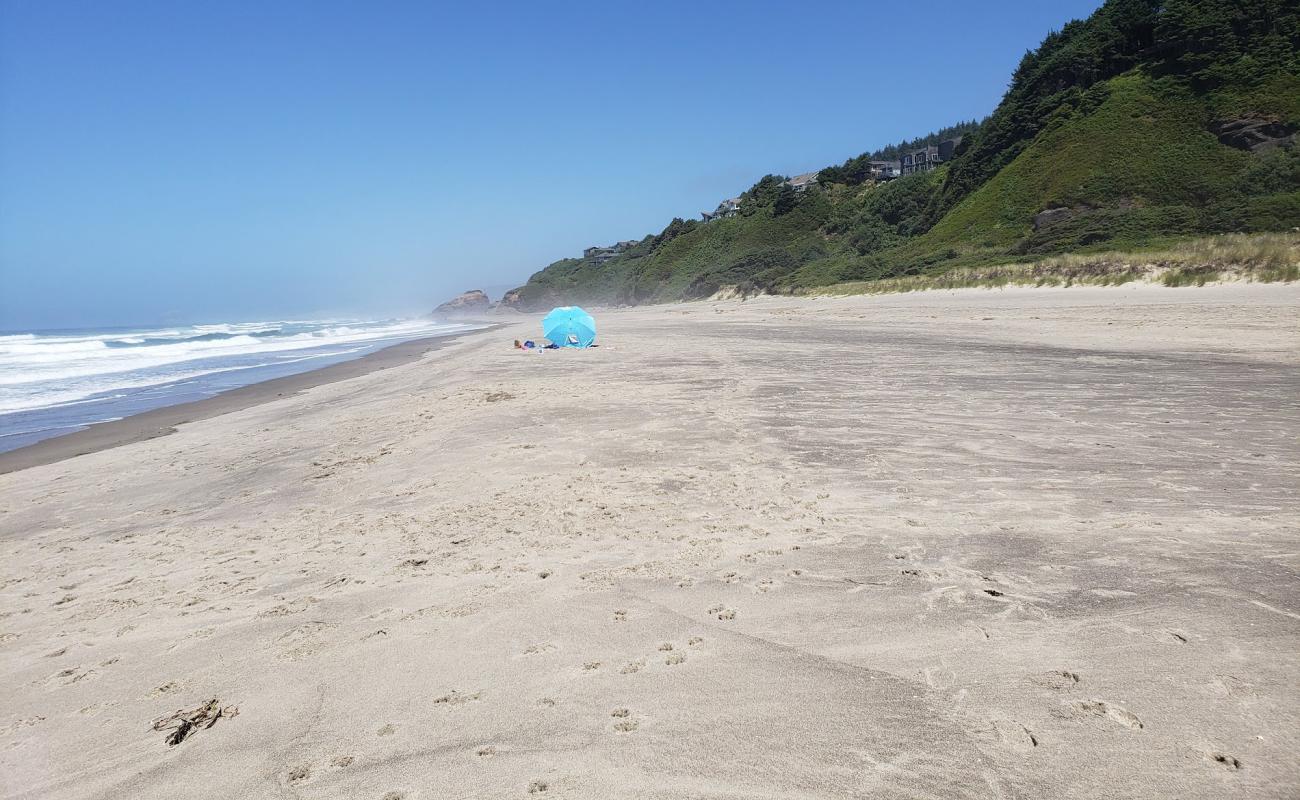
[(182, 724)]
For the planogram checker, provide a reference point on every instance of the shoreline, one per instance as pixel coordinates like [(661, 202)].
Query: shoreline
[(163, 421)]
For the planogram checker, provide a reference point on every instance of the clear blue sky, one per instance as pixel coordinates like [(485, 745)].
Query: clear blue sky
[(186, 161)]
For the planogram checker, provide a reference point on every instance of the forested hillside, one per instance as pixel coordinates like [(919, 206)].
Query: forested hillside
[(1149, 121)]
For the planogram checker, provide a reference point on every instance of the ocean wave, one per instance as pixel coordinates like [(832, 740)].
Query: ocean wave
[(23, 364), (151, 341), (15, 400), (49, 349)]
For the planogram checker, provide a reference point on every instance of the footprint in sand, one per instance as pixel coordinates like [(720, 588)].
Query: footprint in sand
[(537, 787), (631, 666), (625, 724), (1112, 712), (303, 641), (71, 675), (457, 698), (387, 730), (25, 722), (298, 774), (722, 612), (285, 609), (339, 762), (1015, 736), (1058, 679), (674, 659)]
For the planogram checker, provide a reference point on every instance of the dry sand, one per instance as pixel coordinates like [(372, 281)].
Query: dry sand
[(1013, 544)]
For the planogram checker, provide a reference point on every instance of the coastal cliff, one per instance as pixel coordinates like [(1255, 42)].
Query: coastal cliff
[(1148, 122), (474, 301)]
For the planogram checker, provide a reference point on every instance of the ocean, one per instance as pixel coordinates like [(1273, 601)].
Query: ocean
[(54, 382)]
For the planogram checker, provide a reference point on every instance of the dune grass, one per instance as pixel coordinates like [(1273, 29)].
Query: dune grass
[(1260, 257)]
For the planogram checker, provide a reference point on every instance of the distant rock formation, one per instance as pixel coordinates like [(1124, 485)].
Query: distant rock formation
[(475, 301), (1255, 135), (1050, 215)]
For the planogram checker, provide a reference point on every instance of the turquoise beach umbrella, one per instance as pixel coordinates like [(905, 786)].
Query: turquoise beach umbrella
[(569, 326)]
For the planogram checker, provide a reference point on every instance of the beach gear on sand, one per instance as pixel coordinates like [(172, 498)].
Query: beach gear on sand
[(569, 326)]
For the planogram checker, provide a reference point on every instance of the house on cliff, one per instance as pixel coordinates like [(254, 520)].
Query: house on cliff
[(800, 183), (727, 208), (928, 158), (602, 254), (885, 170)]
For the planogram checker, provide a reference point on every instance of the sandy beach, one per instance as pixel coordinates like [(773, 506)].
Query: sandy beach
[(1028, 543)]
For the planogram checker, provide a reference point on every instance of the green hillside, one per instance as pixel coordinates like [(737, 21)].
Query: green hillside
[(1150, 121)]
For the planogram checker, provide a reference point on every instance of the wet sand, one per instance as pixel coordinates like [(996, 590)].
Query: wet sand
[(980, 544)]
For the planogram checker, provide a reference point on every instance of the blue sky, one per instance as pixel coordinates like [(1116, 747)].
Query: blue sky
[(184, 161)]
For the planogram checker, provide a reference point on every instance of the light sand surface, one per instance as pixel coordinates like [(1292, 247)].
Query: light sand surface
[(1009, 544)]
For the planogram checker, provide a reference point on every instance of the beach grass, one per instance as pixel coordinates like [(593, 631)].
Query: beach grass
[(1256, 258)]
